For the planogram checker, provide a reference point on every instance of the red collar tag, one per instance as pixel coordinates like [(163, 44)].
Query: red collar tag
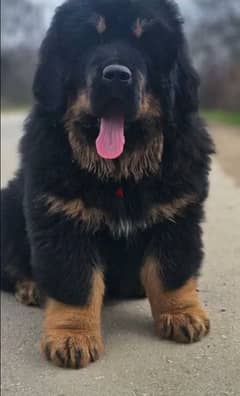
[(119, 192)]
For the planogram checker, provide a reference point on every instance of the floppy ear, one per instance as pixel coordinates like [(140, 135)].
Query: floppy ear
[(187, 84), (48, 85)]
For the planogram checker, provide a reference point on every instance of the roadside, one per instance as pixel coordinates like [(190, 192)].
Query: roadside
[(227, 140), (222, 117), (11, 132)]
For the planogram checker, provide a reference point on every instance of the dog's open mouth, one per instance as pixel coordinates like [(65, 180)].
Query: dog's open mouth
[(111, 140)]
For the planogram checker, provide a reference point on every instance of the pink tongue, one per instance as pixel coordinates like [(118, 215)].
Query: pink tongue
[(111, 140)]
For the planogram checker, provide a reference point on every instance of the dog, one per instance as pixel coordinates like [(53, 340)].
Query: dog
[(109, 197)]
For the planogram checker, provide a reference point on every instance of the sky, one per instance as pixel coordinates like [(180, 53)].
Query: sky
[(55, 3)]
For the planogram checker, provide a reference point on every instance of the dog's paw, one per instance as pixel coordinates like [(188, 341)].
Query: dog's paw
[(71, 349), (184, 327), (27, 293)]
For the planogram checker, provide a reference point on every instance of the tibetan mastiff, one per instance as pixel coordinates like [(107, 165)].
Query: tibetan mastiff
[(114, 170)]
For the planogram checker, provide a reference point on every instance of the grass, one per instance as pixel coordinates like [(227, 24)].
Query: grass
[(224, 117), (17, 109)]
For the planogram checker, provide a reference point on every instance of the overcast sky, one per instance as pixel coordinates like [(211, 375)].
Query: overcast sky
[(55, 3)]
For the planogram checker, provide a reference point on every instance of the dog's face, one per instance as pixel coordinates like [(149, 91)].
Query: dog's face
[(128, 43), (110, 64)]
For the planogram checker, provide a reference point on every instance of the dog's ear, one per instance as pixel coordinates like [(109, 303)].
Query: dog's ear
[(186, 84), (50, 77)]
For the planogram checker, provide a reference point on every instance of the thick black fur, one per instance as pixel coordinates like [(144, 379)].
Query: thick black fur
[(55, 250)]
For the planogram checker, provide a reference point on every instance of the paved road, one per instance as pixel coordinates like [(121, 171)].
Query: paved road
[(136, 362)]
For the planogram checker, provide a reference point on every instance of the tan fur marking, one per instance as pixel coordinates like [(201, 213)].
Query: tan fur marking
[(83, 153), (27, 293), (138, 28), (79, 106), (171, 209), (88, 159), (141, 162), (177, 314), (72, 334), (94, 218), (149, 108), (101, 24), (144, 161)]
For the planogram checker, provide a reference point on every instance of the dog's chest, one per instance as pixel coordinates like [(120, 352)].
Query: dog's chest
[(125, 227), (127, 214)]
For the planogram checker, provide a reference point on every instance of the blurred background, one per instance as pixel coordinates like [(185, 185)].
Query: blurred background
[(212, 26)]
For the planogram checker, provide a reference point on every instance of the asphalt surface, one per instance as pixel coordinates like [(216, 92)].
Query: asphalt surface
[(136, 363)]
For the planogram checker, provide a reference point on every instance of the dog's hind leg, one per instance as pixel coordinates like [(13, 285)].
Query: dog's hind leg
[(16, 275)]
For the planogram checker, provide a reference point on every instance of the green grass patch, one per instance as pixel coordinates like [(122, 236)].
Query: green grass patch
[(225, 117), (18, 109)]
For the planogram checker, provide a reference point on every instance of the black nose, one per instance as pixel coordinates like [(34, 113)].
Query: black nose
[(114, 73)]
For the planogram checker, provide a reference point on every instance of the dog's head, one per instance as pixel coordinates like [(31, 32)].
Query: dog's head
[(110, 64)]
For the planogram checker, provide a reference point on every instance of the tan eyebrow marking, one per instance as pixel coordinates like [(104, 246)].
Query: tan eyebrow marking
[(101, 24), (139, 26)]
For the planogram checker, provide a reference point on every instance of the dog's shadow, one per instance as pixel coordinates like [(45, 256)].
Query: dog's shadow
[(125, 317), (119, 318), (122, 321)]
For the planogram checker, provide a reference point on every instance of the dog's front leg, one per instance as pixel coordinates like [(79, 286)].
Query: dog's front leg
[(72, 334), (67, 266), (169, 275)]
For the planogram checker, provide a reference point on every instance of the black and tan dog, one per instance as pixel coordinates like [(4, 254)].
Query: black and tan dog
[(114, 173)]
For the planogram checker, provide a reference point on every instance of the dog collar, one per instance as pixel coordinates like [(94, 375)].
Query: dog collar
[(120, 192)]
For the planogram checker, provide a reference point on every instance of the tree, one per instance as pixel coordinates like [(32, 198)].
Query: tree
[(217, 33), (215, 44), (22, 26), (22, 23)]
